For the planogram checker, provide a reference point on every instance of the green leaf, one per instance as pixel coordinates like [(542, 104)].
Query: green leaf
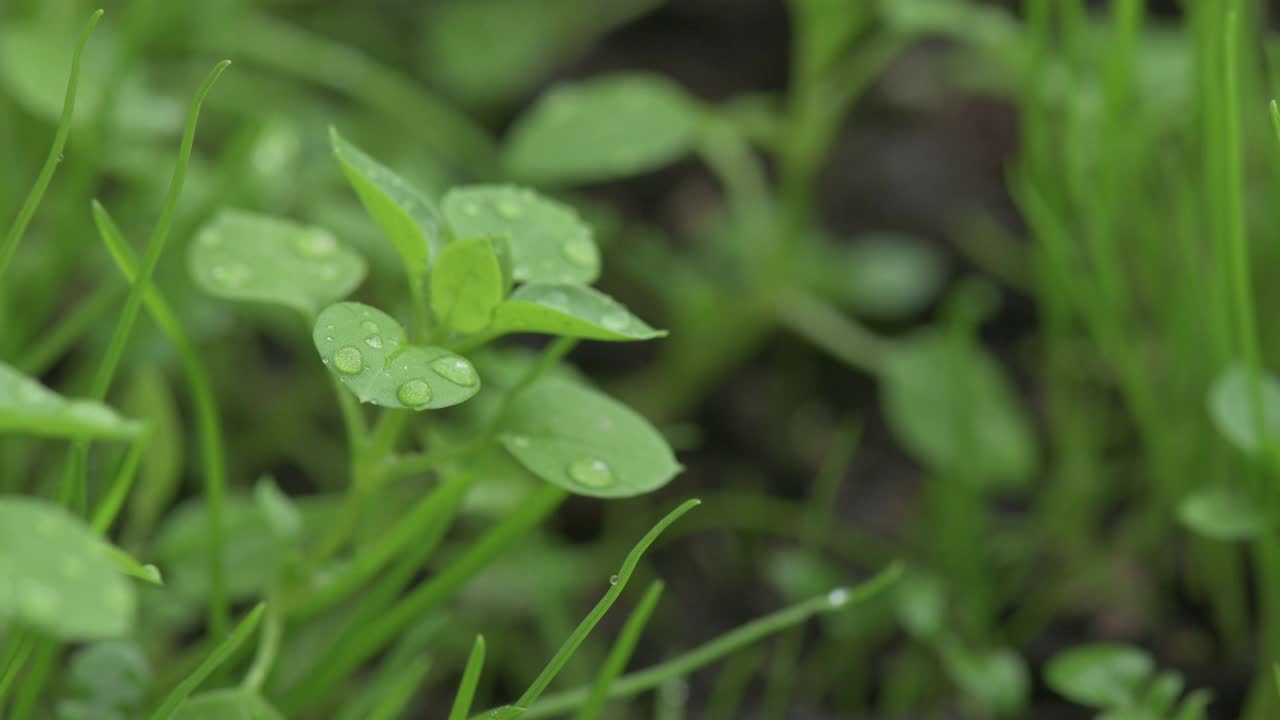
[(281, 513), (1231, 408), (129, 565), (604, 128), (225, 649), (1223, 514), (1195, 706), (884, 276), (1101, 675), (549, 242), (370, 353), (586, 442), (160, 477), (920, 602), (27, 407), (569, 310), (57, 575), (997, 678), (466, 285), (106, 679), (227, 704), (952, 407), (248, 256), (405, 214)]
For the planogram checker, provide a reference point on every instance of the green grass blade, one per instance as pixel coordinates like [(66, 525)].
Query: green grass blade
[(208, 418), (220, 654), (707, 653), (400, 691), (19, 226), (618, 583), (106, 512), (470, 678), (620, 654)]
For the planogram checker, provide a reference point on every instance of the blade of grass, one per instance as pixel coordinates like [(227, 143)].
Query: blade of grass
[(220, 654), (208, 417), (650, 678), (620, 654), (106, 512), (11, 239), (470, 678), (396, 696)]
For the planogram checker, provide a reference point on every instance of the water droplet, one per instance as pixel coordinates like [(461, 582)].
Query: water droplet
[(520, 440), (613, 579), (209, 239), (556, 300), (510, 209), (456, 370), (414, 393), (472, 209), (348, 360), (591, 472), (838, 597), (232, 275), (374, 341), (580, 251), (617, 321), (369, 325), (60, 157), (316, 244), (520, 272)]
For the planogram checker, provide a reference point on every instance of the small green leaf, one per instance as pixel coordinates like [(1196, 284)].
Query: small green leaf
[(997, 678), (604, 128), (586, 442), (884, 276), (27, 407), (128, 565), (370, 353), (405, 214), (572, 311), (1231, 408), (952, 407), (236, 703), (1100, 675), (549, 242), (1195, 706), (247, 256), (281, 513), (106, 679), (920, 602), (1223, 514), (466, 285), (57, 575)]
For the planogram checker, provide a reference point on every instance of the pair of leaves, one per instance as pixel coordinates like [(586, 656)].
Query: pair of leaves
[(1121, 679)]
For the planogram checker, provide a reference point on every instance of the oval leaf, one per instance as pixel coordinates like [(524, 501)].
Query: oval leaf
[(1100, 675), (237, 703), (247, 256), (370, 353), (466, 285), (1231, 408), (57, 575), (1223, 514), (106, 679), (586, 442), (572, 311), (405, 214), (886, 276), (953, 407), (30, 408), (548, 241), (601, 129)]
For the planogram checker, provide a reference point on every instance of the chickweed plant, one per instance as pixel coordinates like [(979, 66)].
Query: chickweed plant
[(343, 594)]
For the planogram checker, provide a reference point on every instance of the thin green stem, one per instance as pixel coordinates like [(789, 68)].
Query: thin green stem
[(17, 650), (621, 653), (470, 679), (105, 514), (69, 328), (268, 648), (832, 331), (19, 227)]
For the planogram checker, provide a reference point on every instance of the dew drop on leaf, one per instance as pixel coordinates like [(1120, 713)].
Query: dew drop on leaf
[(232, 275), (348, 360), (369, 325), (838, 597), (471, 209), (555, 300), (456, 370), (616, 321), (613, 579), (510, 209), (591, 472), (579, 251), (374, 341), (316, 244), (414, 393)]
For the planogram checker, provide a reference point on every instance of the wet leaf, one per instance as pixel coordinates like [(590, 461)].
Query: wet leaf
[(548, 241), (586, 442), (370, 353), (571, 311), (58, 576), (608, 127), (248, 256), (466, 285), (29, 408)]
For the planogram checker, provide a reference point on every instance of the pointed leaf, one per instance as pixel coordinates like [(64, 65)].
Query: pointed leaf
[(549, 242), (57, 575), (248, 256), (1231, 408), (466, 285), (128, 565), (1223, 514), (1100, 675), (405, 214), (571, 311), (586, 442), (29, 408), (370, 353), (604, 128)]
